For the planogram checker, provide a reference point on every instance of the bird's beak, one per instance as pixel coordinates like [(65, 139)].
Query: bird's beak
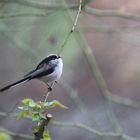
[(59, 56)]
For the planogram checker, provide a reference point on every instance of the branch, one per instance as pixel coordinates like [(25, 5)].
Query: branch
[(74, 96), (100, 81), (116, 13), (75, 125), (73, 27), (15, 15), (39, 134), (101, 85), (123, 100), (91, 130), (4, 114), (78, 125), (24, 136), (82, 126), (50, 4)]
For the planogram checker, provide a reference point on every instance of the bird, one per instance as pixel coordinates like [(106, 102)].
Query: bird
[(49, 70)]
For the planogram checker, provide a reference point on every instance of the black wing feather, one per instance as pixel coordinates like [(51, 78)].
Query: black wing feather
[(32, 75), (40, 65), (41, 72)]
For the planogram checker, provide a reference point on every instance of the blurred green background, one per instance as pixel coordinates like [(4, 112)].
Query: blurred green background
[(30, 30)]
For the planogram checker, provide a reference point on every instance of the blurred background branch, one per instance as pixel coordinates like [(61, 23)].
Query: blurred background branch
[(11, 133), (62, 124), (101, 84), (47, 4), (73, 27), (115, 13), (21, 15), (47, 27)]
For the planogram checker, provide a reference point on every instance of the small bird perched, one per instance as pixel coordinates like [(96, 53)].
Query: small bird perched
[(49, 69)]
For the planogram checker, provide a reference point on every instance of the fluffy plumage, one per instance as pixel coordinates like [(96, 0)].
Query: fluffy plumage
[(48, 70)]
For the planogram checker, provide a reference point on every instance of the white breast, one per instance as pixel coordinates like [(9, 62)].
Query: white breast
[(56, 74)]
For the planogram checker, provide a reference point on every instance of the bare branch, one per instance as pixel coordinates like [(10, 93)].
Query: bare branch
[(114, 13), (17, 15), (24, 136), (91, 130), (50, 4), (73, 27), (71, 124), (123, 101)]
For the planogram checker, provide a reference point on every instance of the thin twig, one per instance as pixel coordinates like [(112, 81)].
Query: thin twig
[(91, 130), (17, 15), (87, 9), (82, 126), (123, 101), (49, 91), (102, 85), (73, 27), (114, 98), (41, 5), (114, 13), (4, 114), (73, 94), (24, 136), (99, 79)]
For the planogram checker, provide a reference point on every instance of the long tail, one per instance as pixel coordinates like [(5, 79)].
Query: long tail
[(16, 83)]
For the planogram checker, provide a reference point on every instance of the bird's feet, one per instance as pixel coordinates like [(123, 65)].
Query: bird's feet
[(49, 88)]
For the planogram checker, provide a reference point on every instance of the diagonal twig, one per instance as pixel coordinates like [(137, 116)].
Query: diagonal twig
[(73, 27)]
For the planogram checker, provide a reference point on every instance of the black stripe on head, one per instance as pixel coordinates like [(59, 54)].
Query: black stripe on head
[(51, 57), (47, 60)]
